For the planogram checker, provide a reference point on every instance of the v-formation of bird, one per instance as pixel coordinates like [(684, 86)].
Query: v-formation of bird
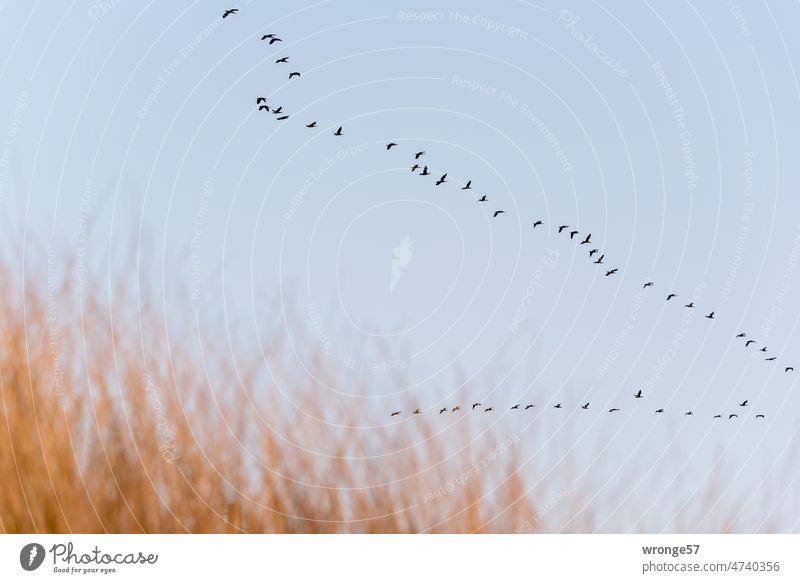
[(262, 104)]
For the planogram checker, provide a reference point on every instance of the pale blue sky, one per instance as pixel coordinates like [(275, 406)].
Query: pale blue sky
[(678, 157)]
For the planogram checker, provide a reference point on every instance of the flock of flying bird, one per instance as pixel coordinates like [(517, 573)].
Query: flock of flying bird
[(418, 165)]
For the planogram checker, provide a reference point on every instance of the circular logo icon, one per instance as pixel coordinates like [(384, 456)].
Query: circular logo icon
[(31, 556)]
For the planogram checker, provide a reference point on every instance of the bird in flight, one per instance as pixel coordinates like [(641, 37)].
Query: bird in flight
[(261, 100), (689, 413), (395, 414), (670, 296), (600, 260), (442, 410), (537, 223), (585, 407), (227, 13), (278, 110), (659, 410), (294, 74), (338, 132), (593, 251), (424, 171), (789, 368), (648, 284), (282, 60), (456, 408), (475, 405), (417, 411), (743, 403), (266, 36), (562, 227), (689, 305), (740, 335), (415, 167), (558, 406), (467, 186), (263, 108), (771, 358), (612, 410), (759, 416), (764, 349), (529, 407), (497, 213), (390, 145), (732, 415), (488, 409), (612, 272), (572, 234), (586, 240), (483, 199), (717, 416), (313, 124), (638, 394), (442, 180), (275, 39), (710, 316), (283, 117), (418, 154), (749, 342), (515, 407)]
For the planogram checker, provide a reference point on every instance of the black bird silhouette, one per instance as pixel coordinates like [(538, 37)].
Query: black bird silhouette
[(572, 234), (529, 407), (442, 410), (764, 349), (600, 260), (294, 74), (789, 368), (717, 416), (740, 335), (659, 410), (281, 118), (456, 408), (689, 305), (263, 108), (497, 213), (338, 132), (593, 251), (612, 410), (562, 227), (638, 394), (743, 403), (558, 406), (417, 411), (670, 296), (418, 154), (282, 60), (536, 223), (227, 13), (261, 100), (424, 171), (415, 167), (275, 39), (390, 145), (278, 110), (648, 284), (759, 416), (482, 199), (488, 409), (586, 406), (266, 36), (467, 186), (586, 240), (689, 413), (442, 180), (749, 342), (710, 316), (612, 272), (313, 124), (395, 413), (475, 405), (515, 407), (771, 358), (732, 415)]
